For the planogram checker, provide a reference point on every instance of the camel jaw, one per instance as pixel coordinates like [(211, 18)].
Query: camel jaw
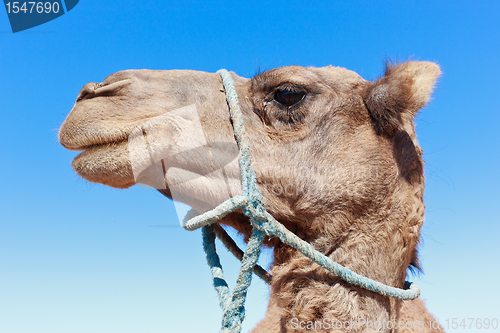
[(103, 144), (106, 164), (100, 124), (104, 155)]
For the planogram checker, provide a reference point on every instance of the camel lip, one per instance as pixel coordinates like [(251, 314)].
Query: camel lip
[(78, 142), (94, 146)]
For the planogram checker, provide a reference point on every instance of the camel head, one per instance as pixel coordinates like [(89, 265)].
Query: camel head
[(336, 159)]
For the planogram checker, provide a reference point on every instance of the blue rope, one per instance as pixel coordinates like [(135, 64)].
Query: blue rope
[(263, 225)]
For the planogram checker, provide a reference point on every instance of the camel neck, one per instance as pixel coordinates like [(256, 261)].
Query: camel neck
[(306, 291)]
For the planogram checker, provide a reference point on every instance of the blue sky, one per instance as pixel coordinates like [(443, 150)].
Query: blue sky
[(80, 257)]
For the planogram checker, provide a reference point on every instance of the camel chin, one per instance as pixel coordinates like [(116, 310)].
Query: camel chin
[(107, 164)]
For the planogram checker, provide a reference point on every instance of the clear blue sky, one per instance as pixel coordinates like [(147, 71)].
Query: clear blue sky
[(78, 257)]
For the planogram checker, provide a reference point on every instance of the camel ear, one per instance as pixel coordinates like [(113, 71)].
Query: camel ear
[(396, 98)]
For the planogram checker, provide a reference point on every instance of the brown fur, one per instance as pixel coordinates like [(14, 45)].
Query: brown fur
[(342, 169)]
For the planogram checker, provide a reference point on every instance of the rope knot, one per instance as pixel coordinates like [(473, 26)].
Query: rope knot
[(251, 203)]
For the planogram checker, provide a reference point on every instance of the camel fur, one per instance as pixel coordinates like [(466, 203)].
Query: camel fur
[(336, 159)]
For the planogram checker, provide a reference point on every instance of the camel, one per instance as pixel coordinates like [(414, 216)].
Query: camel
[(335, 157)]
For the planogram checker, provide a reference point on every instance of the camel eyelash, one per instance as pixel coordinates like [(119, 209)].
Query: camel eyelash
[(286, 96), (289, 97), (277, 112)]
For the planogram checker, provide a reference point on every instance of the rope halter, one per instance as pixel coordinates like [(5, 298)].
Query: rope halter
[(250, 202)]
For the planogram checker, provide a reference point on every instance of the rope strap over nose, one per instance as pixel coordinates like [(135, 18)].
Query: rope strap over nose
[(251, 203)]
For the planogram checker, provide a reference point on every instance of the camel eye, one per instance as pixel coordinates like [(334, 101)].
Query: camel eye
[(288, 97)]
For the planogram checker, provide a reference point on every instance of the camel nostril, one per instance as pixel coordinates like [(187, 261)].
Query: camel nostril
[(87, 89), (93, 89), (107, 89)]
